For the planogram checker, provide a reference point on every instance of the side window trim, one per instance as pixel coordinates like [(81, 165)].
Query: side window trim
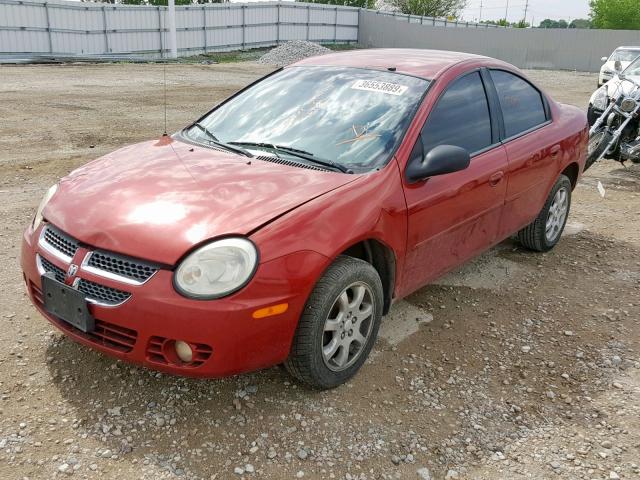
[(545, 104)]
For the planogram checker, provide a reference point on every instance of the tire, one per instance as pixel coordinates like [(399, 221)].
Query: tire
[(598, 143), (537, 236), (310, 359)]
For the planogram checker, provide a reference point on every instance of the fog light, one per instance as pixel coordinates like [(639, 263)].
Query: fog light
[(184, 352)]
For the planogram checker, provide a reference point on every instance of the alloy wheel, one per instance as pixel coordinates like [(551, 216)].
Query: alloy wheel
[(348, 326), (557, 214)]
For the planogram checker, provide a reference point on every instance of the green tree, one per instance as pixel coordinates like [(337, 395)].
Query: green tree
[(580, 23), (521, 24), (431, 8), (615, 14), (548, 23), (346, 3), (501, 23)]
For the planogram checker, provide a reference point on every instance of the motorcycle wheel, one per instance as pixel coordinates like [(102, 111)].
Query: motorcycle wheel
[(598, 143)]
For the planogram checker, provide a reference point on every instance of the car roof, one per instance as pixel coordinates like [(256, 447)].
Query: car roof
[(420, 63), (628, 48)]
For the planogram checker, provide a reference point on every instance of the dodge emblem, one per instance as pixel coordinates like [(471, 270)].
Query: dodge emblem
[(72, 270)]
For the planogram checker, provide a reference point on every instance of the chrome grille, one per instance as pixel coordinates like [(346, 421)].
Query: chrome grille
[(120, 265), (60, 241), (102, 294), (49, 267), (112, 266)]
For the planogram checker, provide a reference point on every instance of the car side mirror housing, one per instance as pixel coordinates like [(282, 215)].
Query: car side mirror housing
[(617, 66), (604, 59), (440, 160)]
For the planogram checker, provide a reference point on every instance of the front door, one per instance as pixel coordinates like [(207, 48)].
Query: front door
[(455, 216)]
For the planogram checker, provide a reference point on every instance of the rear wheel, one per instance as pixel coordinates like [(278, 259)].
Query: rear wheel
[(339, 324), (598, 144), (544, 232)]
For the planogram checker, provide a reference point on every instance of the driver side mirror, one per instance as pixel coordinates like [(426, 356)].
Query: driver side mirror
[(617, 66), (604, 59), (440, 160)]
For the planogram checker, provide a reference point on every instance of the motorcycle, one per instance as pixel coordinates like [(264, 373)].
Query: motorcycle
[(615, 133)]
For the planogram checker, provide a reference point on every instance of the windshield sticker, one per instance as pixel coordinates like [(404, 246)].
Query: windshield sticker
[(382, 87)]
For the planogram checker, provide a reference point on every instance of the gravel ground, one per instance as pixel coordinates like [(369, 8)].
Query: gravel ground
[(291, 52), (517, 366)]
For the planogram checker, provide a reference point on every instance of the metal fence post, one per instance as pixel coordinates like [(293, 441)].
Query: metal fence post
[(160, 32), (335, 27), (308, 20), (244, 26), (106, 34), (204, 26), (278, 24), (46, 10)]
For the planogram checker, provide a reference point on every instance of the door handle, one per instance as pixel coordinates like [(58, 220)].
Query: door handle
[(555, 150), (496, 178)]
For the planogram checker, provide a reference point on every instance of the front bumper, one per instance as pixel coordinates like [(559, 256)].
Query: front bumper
[(225, 337)]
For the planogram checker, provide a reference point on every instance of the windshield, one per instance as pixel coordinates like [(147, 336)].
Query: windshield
[(633, 69), (625, 55), (353, 117)]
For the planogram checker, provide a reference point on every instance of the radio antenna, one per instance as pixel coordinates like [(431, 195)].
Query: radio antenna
[(164, 70), (164, 75)]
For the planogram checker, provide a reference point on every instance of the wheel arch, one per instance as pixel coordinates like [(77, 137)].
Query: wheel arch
[(383, 259), (572, 171)]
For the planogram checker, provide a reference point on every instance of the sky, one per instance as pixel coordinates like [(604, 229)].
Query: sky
[(538, 10)]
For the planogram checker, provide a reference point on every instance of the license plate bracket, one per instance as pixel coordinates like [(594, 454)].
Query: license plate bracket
[(66, 303)]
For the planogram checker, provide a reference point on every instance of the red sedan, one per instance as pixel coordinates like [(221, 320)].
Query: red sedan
[(281, 226)]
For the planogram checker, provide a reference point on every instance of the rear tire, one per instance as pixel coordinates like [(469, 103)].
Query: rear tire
[(545, 231), (339, 325)]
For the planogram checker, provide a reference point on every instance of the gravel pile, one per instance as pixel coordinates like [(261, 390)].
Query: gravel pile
[(292, 52)]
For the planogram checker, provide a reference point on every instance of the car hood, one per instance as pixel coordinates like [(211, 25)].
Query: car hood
[(158, 199)]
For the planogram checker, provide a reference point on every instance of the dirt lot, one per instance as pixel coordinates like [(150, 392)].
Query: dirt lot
[(517, 366)]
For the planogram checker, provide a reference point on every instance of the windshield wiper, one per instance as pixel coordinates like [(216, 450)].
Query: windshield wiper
[(296, 152), (213, 139)]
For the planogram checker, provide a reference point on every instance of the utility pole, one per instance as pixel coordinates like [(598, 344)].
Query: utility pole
[(506, 12), (480, 21), (173, 41), (526, 7)]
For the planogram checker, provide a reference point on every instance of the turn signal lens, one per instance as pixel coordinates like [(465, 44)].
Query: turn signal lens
[(270, 311)]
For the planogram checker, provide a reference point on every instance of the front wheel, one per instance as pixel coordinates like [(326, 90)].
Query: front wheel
[(339, 324), (544, 232), (599, 143)]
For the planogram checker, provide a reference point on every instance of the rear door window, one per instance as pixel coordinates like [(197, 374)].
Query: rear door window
[(521, 103)]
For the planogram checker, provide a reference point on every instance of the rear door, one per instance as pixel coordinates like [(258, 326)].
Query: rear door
[(532, 150), (455, 216)]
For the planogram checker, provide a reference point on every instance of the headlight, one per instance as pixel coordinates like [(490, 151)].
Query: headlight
[(601, 99), (628, 105), (216, 269), (37, 219)]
